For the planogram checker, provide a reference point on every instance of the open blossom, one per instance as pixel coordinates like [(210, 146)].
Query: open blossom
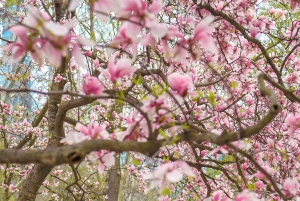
[(74, 137), (291, 187), (168, 173), (246, 195), (180, 83), (58, 78), (47, 39), (92, 85), (12, 188), (201, 34), (93, 130), (19, 47), (105, 158), (293, 122), (294, 4), (120, 69)]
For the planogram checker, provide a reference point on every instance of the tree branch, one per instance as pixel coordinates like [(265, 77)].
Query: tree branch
[(74, 153)]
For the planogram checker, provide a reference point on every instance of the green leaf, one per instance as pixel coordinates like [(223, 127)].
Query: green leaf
[(136, 162), (166, 191), (251, 186), (233, 84), (162, 133), (211, 99), (185, 126)]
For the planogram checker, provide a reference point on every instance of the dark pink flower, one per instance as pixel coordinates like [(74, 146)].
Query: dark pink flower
[(180, 83), (92, 85), (291, 187), (120, 69), (294, 123)]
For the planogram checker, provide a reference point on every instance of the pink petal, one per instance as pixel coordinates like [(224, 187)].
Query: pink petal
[(57, 29), (77, 54), (158, 30), (85, 42), (156, 7), (174, 176), (203, 26), (21, 32), (73, 4), (109, 159), (186, 169), (124, 67)]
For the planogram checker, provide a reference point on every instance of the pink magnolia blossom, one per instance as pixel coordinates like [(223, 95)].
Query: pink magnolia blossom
[(93, 130), (246, 195), (58, 172), (164, 198), (291, 187), (217, 196), (180, 83), (201, 34), (58, 78), (293, 122), (120, 69), (294, 4), (73, 4), (12, 188), (103, 7), (22, 45), (168, 173), (74, 137), (92, 85), (47, 39), (254, 31), (105, 158)]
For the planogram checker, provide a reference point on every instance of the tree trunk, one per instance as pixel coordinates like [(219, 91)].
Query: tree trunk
[(40, 171), (114, 179)]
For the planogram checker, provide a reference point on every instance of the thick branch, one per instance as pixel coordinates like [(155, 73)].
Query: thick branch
[(74, 153)]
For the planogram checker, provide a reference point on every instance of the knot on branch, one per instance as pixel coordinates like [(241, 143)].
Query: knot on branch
[(75, 157), (265, 91)]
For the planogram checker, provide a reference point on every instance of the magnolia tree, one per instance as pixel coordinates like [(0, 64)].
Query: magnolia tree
[(176, 100)]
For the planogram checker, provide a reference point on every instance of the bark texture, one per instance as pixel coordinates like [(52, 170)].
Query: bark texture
[(40, 171), (114, 178)]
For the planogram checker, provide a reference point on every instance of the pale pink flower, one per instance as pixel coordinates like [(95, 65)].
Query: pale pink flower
[(47, 39), (168, 173), (254, 31), (259, 185), (93, 130), (293, 122), (120, 69), (4, 185), (246, 195), (74, 137), (88, 53), (22, 45), (157, 29), (92, 85), (105, 158), (25, 122), (202, 32), (103, 7), (57, 172), (164, 198), (73, 4), (96, 63), (180, 83), (294, 4), (58, 78), (12, 188), (291, 187)]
